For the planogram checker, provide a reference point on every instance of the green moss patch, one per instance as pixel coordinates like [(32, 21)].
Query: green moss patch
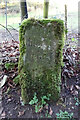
[(41, 43), (9, 66)]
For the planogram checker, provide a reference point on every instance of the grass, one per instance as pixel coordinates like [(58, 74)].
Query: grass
[(12, 20)]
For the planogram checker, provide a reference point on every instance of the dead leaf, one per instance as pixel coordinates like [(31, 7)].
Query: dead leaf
[(9, 100), (3, 114), (3, 81), (51, 112), (46, 106), (40, 110), (77, 87), (75, 93), (21, 113), (71, 88)]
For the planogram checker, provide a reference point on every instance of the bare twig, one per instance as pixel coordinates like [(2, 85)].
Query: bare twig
[(13, 28), (7, 30)]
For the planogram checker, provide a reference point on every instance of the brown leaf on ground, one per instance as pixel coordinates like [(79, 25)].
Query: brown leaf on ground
[(3, 114), (75, 93), (21, 113), (51, 111), (71, 87), (77, 87), (40, 110)]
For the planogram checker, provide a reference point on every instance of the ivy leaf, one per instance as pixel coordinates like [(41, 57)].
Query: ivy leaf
[(36, 101), (31, 102), (57, 115), (44, 97), (76, 104), (36, 109), (34, 98)]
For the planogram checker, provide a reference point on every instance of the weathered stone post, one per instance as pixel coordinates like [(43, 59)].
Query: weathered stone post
[(41, 43)]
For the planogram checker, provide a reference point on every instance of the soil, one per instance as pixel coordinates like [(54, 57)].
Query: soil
[(13, 108)]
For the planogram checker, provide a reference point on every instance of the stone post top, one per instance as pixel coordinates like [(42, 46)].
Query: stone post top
[(43, 19)]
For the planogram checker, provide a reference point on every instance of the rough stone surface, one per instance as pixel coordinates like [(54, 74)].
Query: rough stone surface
[(41, 43), (41, 47)]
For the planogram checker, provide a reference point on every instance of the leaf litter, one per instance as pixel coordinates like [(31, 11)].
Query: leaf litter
[(10, 54)]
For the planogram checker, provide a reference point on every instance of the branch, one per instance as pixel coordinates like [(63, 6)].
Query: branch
[(13, 28), (7, 30)]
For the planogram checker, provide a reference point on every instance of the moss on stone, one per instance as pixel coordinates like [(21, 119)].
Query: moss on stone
[(16, 79), (48, 80)]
